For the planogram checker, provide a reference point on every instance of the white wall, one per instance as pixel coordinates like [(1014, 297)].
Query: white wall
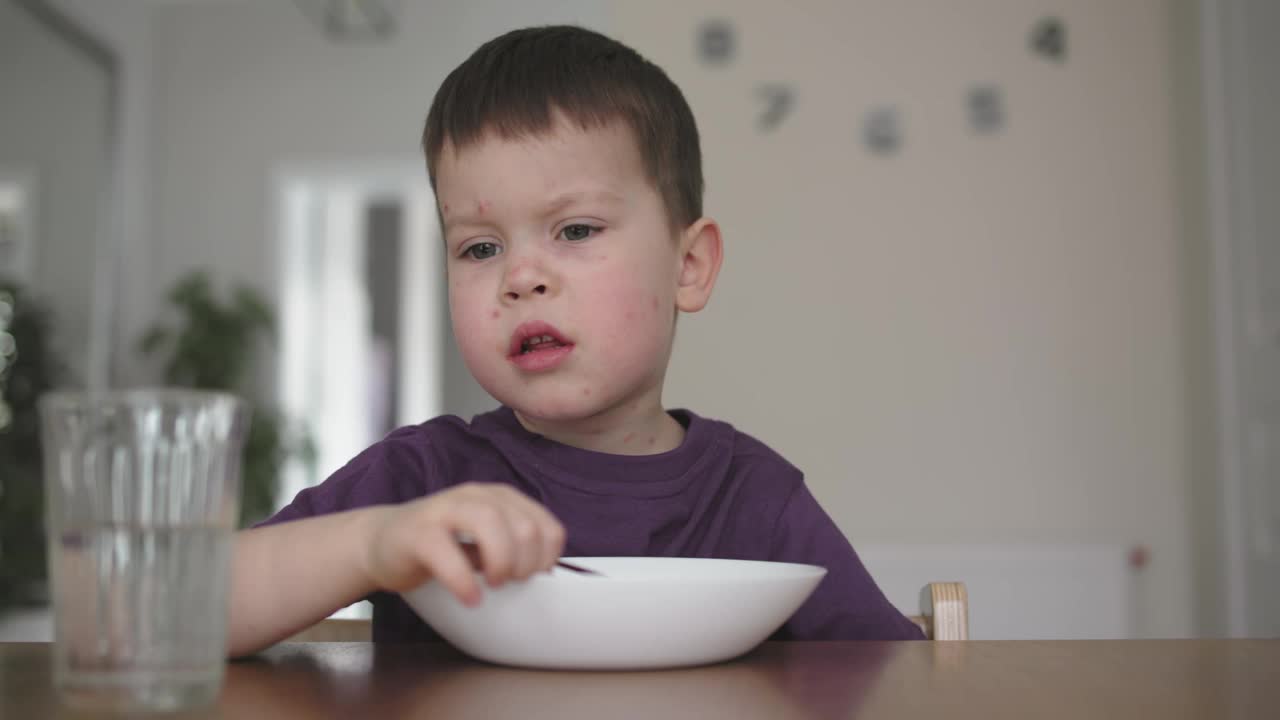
[(979, 339), (983, 339)]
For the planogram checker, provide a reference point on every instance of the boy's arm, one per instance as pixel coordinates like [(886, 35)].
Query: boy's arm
[(847, 605), (288, 576), (305, 562)]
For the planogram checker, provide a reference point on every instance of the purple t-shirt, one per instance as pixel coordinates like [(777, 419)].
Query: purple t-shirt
[(721, 494)]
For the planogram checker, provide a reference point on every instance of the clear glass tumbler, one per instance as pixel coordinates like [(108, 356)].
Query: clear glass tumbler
[(142, 490)]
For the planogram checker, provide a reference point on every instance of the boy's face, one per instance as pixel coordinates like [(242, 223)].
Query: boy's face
[(564, 275)]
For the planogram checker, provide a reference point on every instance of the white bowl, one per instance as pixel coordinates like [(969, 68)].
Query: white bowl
[(642, 613)]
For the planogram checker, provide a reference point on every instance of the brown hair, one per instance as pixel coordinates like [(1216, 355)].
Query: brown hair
[(512, 84)]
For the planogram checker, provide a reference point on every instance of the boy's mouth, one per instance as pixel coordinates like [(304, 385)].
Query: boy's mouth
[(542, 342), (538, 346)]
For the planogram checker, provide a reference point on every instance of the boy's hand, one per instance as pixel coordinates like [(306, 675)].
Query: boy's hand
[(416, 541)]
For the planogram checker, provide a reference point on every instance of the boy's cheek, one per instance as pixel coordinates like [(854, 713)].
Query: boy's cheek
[(466, 303), (480, 355), (631, 304), (637, 324), (474, 324)]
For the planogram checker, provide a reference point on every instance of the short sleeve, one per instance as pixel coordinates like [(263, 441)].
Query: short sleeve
[(847, 605), (398, 468)]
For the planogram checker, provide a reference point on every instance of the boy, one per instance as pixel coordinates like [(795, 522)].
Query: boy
[(568, 176)]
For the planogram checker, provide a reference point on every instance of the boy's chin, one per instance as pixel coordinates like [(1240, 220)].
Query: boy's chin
[(551, 411), (554, 407)]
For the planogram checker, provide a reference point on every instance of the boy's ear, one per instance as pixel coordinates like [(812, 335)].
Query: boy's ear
[(701, 251)]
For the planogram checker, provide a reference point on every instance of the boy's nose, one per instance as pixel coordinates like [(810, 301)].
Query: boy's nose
[(525, 280)]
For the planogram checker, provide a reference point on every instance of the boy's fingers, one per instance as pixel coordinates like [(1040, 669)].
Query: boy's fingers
[(550, 532), (513, 536), (488, 527), (553, 539), (551, 535), (472, 552), (449, 565), (526, 536)]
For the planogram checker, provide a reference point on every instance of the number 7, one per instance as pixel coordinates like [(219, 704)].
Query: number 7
[(779, 100)]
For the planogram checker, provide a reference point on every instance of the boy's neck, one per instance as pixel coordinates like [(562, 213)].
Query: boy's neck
[(620, 431)]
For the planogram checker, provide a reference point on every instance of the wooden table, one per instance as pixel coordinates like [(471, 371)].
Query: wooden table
[(1059, 679)]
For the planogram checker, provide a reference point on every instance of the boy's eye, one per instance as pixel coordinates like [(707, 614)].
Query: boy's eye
[(578, 232), (481, 251)]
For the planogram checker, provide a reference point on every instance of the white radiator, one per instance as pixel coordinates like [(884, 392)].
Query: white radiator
[(1018, 592)]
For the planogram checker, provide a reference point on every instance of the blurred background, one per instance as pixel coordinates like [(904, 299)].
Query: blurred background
[(1002, 276)]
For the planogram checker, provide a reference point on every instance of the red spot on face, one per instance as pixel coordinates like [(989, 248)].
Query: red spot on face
[(494, 314), (628, 438), (444, 208), (586, 392), (655, 302), (481, 207), (653, 441)]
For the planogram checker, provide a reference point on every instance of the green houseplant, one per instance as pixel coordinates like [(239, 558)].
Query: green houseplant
[(213, 346), (28, 368)]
